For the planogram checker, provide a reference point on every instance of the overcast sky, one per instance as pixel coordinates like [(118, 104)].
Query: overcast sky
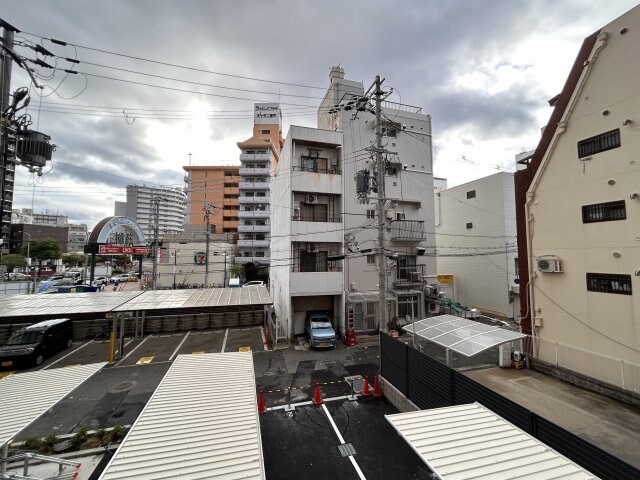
[(484, 70)]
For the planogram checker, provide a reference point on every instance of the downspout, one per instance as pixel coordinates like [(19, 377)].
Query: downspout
[(561, 128)]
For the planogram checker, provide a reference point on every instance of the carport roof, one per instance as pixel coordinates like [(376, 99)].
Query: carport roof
[(26, 396), (470, 441), (62, 303), (201, 422), (461, 335), (209, 297)]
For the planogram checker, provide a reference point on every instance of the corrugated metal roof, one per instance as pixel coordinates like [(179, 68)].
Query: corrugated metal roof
[(461, 335), (26, 396), (201, 423), (470, 441), (210, 297), (62, 303)]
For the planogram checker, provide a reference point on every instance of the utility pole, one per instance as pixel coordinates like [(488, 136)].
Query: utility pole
[(156, 227), (207, 219), (380, 166)]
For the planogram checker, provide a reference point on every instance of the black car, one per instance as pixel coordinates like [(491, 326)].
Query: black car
[(31, 345)]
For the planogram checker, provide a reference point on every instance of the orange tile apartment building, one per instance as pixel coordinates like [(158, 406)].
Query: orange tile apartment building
[(218, 186)]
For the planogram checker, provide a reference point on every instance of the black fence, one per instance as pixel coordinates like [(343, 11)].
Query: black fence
[(431, 384)]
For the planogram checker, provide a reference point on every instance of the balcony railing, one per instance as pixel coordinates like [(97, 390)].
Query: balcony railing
[(317, 265), (254, 171), (244, 157), (254, 228), (247, 199), (409, 275), (316, 218), (330, 170), (254, 214), (407, 230), (254, 243), (262, 260), (254, 185)]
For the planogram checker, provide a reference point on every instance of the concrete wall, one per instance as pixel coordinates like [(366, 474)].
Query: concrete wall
[(605, 323)]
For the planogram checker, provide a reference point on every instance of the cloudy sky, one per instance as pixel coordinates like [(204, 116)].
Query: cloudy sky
[(483, 69)]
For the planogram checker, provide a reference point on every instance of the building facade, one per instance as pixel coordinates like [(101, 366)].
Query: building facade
[(578, 205), (259, 157), (320, 214), (476, 242), (217, 186), (140, 207), (77, 232)]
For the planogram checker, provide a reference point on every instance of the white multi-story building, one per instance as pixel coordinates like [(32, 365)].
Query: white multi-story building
[(578, 205), (77, 236), (476, 241), (259, 156), (140, 207), (319, 214)]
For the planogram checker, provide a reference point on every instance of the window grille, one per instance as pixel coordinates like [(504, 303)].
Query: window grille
[(604, 212), (609, 283), (599, 143)]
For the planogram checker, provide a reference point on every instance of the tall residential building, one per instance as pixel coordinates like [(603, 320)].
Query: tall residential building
[(140, 207), (319, 214), (578, 208), (476, 241), (259, 157), (217, 186), (77, 232)]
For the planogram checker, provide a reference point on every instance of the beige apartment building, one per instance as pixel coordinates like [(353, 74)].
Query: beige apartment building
[(579, 217), (218, 186)]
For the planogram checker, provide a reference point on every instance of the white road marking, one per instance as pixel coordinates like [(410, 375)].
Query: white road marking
[(264, 340), (335, 429), (133, 350), (70, 353), (224, 342), (179, 345)]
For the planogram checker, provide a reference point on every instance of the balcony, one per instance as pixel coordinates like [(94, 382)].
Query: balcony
[(254, 171), (316, 283), (247, 199), (262, 260), (254, 185), (250, 157), (254, 228), (409, 276), (316, 218), (254, 214), (254, 243), (330, 170), (407, 231)]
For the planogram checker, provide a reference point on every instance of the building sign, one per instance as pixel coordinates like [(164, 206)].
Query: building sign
[(445, 279), (267, 113), (122, 250), (121, 231), (200, 258)]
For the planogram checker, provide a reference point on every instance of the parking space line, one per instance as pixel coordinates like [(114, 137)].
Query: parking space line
[(6, 374), (197, 353), (224, 342), (264, 340), (70, 353), (335, 429), (179, 345), (133, 350), (136, 365)]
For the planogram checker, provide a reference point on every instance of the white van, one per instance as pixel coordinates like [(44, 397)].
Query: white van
[(234, 283)]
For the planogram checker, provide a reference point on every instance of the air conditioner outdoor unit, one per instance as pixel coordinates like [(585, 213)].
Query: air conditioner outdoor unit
[(312, 248), (549, 264), (415, 276), (390, 214), (312, 198)]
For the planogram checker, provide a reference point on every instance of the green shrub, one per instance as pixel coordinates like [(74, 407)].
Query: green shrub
[(117, 433), (50, 441), (101, 434), (32, 443)]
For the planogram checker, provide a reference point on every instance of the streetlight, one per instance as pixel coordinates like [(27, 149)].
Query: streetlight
[(175, 263)]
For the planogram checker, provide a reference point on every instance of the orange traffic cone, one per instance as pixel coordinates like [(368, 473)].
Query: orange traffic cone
[(262, 408), (365, 389), (317, 396), (376, 387)]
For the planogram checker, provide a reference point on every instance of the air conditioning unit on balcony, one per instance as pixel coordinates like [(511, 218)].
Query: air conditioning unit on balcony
[(549, 264), (415, 276), (312, 198), (312, 248)]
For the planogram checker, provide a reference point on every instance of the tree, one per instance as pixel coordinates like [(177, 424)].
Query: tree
[(235, 269), (13, 260), (73, 260), (47, 249)]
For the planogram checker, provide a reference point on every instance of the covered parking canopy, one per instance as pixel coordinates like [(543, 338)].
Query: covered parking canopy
[(24, 397), (201, 423), (460, 334), (471, 442)]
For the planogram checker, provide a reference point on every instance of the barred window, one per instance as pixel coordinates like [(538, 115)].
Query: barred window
[(371, 214), (471, 194), (469, 225), (604, 212), (599, 143), (371, 259), (609, 283)]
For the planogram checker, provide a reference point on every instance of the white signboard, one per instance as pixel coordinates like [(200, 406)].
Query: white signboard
[(267, 113)]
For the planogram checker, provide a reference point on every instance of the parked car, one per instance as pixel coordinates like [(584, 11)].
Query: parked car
[(254, 283), (234, 283), (121, 277), (55, 277), (33, 344), (17, 276), (318, 328)]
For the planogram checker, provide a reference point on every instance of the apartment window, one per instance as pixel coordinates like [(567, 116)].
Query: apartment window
[(228, 195), (371, 259), (392, 171), (230, 185), (400, 216), (229, 173), (471, 194), (371, 214), (609, 283), (315, 212), (259, 254), (604, 212), (599, 143), (266, 132), (469, 225), (388, 132)]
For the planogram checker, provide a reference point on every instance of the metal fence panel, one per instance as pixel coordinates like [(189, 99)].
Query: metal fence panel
[(429, 381), (393, 362), (594, 459)]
